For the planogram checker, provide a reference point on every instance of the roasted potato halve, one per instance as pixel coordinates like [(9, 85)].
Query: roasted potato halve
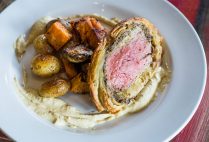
[(41, 45), (45, 65), (54, 88)]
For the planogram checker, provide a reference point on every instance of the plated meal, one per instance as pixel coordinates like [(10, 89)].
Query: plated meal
[(120, 64)]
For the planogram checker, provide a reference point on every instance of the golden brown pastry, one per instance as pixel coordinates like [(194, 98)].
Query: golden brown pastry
[(123, 64)]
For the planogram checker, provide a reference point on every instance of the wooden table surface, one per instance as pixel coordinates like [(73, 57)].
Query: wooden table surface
[(197, 11)]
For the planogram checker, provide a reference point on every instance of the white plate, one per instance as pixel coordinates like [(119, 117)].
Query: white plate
[(159, 122)]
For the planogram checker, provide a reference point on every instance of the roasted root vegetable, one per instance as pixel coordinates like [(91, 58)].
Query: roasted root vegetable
[(65, 22), (79, 85), (77, 54), (90, 31), (45, 65), (54, 88), (57, 35), (41, 45), (69, 68)]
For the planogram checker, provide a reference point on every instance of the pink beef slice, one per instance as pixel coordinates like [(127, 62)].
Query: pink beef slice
[(126, 62)]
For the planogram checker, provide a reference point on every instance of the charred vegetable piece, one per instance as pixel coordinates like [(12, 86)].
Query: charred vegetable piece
[(77, 54), (57, 35), (78, 85), (54, 88), (66, 23), (91, 31), (45, 65), (41, 45), (69, 68)]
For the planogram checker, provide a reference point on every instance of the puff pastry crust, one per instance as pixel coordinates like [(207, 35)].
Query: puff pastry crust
[(101, 95)]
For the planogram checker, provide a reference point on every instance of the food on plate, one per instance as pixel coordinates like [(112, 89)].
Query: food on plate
[(77, 54), (124, 61), (54, 88), (42, 46), (57, 35), (65, 22), (70, 68), (45, 65), (119, 65), (90, 31), (79, 84)]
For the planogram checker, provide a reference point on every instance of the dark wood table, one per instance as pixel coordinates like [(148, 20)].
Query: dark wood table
[(197, 11)]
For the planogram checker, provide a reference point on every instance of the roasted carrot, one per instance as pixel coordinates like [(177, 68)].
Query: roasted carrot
[(57, 35), (69, 68)]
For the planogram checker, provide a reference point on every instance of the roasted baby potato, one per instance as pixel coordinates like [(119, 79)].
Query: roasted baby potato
[(45, 65), (77, 54), (91, 31), (78, 85), (57, 35), (41, 45), (54, 88), (69, 68)]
